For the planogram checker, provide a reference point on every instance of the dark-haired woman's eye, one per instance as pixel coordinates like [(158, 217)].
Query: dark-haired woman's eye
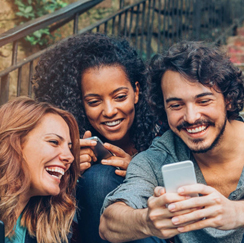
[(121, 97), (93, 102)]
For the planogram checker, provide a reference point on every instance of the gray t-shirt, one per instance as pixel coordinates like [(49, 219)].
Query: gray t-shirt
[(144, 174)]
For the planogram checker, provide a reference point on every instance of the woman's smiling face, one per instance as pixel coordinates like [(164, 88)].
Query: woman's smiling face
[(46, 150), (109, 101)]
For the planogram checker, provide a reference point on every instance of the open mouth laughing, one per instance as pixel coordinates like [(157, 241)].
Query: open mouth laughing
[(56, 172)]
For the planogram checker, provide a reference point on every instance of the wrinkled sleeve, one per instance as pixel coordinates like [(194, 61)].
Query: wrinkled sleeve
[(138, 185)]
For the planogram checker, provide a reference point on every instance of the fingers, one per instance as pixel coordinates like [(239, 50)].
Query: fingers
[(120, 172), (116, 150), (195, 202), (195, 189), (87, 143), (158, 191), (84, 166), (195, 226), (116, 162), (87, 155), (164, 199), (87, 134), (195, 215)]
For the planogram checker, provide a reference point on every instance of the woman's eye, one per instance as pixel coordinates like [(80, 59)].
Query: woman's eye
[(55, 142), (93, 102), (121, 97)]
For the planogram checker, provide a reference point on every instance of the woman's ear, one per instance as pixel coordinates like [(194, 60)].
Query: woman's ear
[(137, 89)]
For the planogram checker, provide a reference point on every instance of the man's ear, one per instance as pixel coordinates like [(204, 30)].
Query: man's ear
[(137, 89), (228, 104)]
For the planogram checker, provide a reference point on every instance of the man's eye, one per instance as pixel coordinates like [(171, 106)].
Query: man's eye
[(204, 101), (175, 106)]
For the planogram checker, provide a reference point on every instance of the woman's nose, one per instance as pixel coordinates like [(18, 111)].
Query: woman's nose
[(109, 110), (66, 156)]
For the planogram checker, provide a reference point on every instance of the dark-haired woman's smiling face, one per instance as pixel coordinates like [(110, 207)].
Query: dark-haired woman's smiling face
[(109, 101)]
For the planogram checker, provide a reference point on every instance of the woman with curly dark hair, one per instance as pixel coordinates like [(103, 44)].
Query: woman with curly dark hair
[(101, 80)]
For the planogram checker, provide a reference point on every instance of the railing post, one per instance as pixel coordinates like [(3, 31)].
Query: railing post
[(197, 19), (4, 89)]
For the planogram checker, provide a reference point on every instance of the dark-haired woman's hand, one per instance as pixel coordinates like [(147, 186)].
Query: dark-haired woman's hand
[(121, 159), (87, 155)]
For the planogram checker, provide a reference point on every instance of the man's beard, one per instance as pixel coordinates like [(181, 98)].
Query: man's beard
[(197, 141)]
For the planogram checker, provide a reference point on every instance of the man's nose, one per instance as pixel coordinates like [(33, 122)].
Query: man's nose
[(192, 114)]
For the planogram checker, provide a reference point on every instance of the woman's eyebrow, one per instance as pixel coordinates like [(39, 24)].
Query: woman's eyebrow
[(118, 89), (92, 95)]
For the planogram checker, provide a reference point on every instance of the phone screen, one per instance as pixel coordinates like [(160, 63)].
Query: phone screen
[(178, 174), (100, 151)]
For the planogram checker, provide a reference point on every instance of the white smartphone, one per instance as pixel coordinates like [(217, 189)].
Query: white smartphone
[(100, 151), (179, 174)]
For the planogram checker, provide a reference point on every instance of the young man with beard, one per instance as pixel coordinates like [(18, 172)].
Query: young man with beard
[(200, 93)]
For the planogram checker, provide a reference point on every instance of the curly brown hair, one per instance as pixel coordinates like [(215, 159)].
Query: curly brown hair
[(198, 62)]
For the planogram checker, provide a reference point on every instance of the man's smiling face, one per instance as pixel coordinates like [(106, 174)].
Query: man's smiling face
[(196, 113)]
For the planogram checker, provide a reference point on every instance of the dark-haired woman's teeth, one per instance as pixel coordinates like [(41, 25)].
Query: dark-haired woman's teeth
[(196, 129), (113, 123)]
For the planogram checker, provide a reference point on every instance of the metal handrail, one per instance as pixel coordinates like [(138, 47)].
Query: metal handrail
[(29, 27), (150, 25)]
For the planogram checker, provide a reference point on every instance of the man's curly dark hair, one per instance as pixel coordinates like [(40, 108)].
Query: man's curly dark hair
[(197, 62), (58, 79)]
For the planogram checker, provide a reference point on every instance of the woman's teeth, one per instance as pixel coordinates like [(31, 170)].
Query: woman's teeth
[(113, 123), (55, 172), (196, 130)]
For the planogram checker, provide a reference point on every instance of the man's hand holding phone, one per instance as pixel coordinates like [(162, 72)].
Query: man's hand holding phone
[(213, 210), (159, 218)]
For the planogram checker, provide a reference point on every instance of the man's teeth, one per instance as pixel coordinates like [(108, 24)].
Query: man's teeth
[(113, 123), (195, 130)]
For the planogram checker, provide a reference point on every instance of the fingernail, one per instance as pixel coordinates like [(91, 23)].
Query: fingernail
[(181, 229), (180, 190), (175, 220), (171, 207), (93, 142), (104, 161)]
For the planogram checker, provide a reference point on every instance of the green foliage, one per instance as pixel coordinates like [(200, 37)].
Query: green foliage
[(29, 10)]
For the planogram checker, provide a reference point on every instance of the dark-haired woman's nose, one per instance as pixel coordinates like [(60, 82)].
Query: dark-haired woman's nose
[(109, 109)]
